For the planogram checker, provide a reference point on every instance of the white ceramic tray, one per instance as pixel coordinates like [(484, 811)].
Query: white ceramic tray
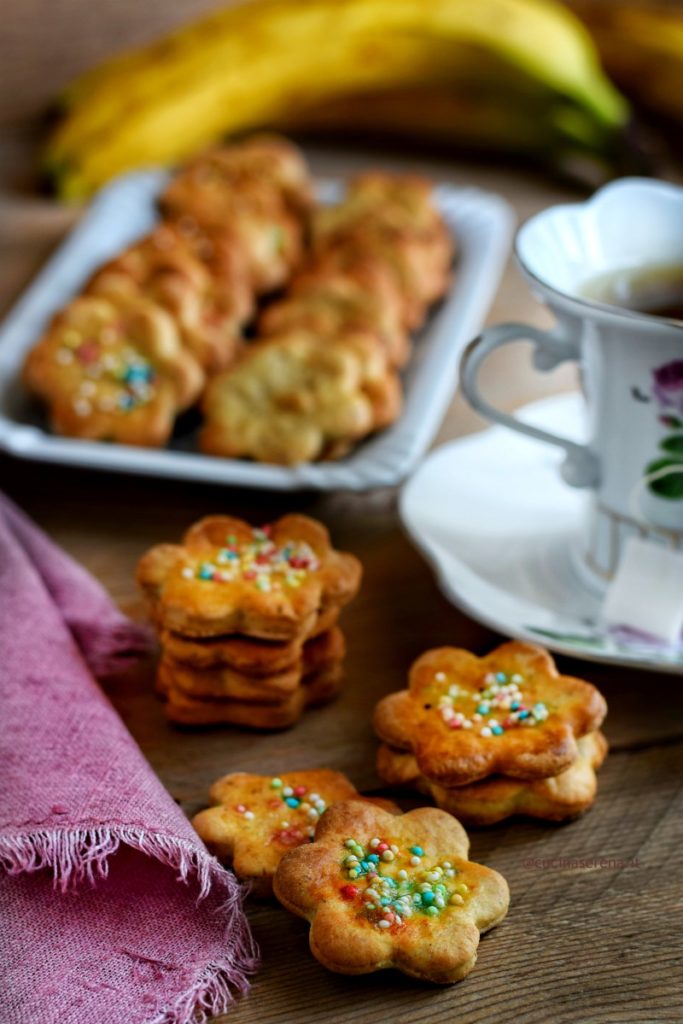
[(125, 210)]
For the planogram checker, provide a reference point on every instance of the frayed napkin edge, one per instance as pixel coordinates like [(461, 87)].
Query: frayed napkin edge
[(78, 855)]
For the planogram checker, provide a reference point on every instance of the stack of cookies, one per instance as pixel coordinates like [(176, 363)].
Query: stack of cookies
[(488, 738), (247, 620)]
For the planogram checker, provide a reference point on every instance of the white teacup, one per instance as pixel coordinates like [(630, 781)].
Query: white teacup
[(631, 363)]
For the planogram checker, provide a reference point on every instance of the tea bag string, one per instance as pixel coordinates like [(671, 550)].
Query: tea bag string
[(636, 495)]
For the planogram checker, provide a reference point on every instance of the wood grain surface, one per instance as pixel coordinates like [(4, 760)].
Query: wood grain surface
[(596, 943)]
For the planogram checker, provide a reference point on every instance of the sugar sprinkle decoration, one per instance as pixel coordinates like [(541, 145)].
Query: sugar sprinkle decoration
[(296, 808), (498, 705), (110, 380), (269, 566), (389, 891)]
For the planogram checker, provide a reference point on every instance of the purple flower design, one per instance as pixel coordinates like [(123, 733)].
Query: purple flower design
[(668, 386)]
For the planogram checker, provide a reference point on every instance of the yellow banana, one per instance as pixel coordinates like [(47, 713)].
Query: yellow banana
[(545, 38), (184, 121), (258, 62)]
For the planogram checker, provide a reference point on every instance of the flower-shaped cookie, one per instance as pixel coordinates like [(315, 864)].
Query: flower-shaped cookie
[(244, 653), (329, 302), (228, 577), (508, 713), (113, 371), (220, 253), (163, 267), (220, 683), (317, 688), (204, 188), (391, 219), (392, 891), (258, 818), (318, 655), (294, 398), (257, 192), (490, 800)]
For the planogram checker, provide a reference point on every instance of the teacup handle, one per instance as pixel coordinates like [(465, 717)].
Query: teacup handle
[(581, 467)]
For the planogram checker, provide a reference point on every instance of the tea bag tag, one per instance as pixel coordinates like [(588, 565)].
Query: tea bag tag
[(647, 591)]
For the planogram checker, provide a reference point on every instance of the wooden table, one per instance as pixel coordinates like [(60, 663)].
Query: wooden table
[(586, 945)]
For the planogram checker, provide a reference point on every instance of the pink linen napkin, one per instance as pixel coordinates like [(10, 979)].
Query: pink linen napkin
[(111, 910)]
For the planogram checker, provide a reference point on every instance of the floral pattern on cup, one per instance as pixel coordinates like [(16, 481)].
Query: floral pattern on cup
[(664, 474)]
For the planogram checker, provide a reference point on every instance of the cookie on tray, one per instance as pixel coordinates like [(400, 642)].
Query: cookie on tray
[(490, 800), (256, 819), (317, 689), (229, 577), (218, 250), (509, 713), (258, 193), (163, 267), (294, 399), (384, 890), (244, 653), (113, 371), (393, 220), (203, 187), (330, 302)]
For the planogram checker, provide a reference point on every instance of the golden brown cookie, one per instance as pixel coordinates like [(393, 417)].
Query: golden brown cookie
[(391, 891), (323, 650), (229, 577), (163, 267), (244, 653), (113, 371), (293, 399), (393, 220), (491, 800), (420, 270), (329, 303), (259, 191), (220, 253), (225, 683), (509, 713), (402, 201), (316, 690), (204, 185), (317, 655), (258, 818)]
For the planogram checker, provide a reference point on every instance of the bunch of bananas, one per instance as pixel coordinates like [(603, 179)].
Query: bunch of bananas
[(641, 44), (519, 75)]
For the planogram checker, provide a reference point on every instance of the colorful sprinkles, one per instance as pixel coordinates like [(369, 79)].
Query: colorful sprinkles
[(261, 561), (114, 376), (281, 800), (499, 705), (390, 885)]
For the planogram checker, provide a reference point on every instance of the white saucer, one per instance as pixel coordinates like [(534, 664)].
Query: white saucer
[(493, 517)]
